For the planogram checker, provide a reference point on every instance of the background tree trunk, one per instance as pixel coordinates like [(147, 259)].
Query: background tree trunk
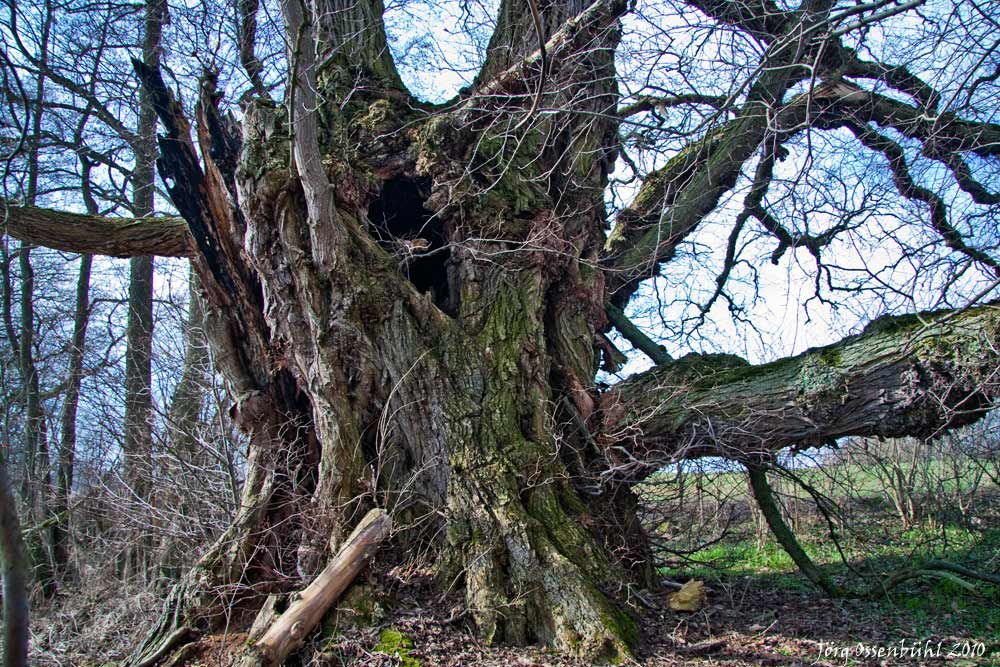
[(138, 443), (38, 476), (37, 480), (15, 578), (71, 401), (74, 381)]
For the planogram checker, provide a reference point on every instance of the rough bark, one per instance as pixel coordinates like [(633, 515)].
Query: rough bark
[(462, 383), (15, 578), (257, 554), (95, 235), (914, 375)]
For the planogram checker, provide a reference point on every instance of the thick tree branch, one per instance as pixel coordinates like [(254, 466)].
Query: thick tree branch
[(911, 375), (569, 40), (636, 336), (674, 199), (896, 76), (96, 235), (324, 220), (247, 41), (946, 132)]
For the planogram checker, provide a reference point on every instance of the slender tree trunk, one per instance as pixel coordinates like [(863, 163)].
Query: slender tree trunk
[(138, 471), (71, 401), (37, 480), (38, 475), (15, 578)]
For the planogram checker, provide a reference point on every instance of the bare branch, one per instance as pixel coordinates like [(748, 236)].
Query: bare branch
[(652, 102), (636, 336), (911, 190)]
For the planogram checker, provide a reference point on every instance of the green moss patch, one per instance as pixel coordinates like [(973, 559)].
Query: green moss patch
[(394, 642)]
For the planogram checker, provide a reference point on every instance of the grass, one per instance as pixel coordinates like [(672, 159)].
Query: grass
[(924, 607), (875, 544)]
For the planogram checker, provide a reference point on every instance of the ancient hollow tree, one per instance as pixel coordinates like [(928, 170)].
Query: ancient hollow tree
[(409, 301)]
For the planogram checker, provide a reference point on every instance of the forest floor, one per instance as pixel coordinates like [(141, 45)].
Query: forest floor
[(759, 610), (770, 619), (747, 621)]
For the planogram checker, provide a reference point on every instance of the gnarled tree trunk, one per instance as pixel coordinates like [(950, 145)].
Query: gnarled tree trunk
[(408, 303), (426, 365)]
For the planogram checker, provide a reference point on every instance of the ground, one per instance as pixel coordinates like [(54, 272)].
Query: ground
[(768, 619), (759, 610)]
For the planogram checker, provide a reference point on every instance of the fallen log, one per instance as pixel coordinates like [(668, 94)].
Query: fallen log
[(287, 632)]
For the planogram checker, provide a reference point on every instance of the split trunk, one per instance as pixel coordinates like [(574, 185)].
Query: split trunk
[(405, 302)]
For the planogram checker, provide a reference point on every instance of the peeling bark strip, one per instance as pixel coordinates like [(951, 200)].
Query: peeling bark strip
[(289, 631), (913, 375), (96, 235)]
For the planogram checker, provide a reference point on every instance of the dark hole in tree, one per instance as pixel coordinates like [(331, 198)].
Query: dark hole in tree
[(401, 225)]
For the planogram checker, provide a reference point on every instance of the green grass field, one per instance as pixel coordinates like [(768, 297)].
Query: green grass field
[(874, 542)]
